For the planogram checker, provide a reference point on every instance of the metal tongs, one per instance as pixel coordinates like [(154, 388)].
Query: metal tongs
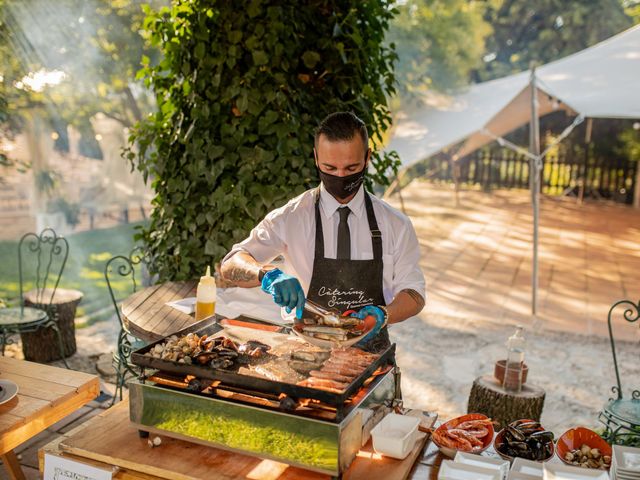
[(331, 317)]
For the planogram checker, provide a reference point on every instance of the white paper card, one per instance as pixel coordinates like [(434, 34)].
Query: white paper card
[(566, 472), (185, 305), (60, 468)]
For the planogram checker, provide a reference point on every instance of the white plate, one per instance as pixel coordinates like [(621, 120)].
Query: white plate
[(626, 460), (616, 475), (521, 476), (529, 467), (565, 472), (318, 342), (9, 390), (501, 466), (450, 470)]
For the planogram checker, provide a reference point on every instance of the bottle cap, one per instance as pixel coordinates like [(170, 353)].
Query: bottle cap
[(207, 279)]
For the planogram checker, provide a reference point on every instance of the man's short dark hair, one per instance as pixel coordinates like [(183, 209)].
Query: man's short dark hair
[(342, 126)]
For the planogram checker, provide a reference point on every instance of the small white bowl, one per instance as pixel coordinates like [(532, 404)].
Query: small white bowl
[(396, 435)]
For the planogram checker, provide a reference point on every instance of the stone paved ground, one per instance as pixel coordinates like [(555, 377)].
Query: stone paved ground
[(476, 259), (477, 263)]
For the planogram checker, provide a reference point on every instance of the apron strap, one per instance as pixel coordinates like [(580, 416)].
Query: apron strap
[(376, 234)]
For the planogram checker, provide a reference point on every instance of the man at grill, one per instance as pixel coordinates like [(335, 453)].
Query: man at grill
[(344, 247)]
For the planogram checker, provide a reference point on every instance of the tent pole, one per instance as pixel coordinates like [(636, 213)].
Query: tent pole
[(534, 183), (396, 185), (455, 171), (585, 167)]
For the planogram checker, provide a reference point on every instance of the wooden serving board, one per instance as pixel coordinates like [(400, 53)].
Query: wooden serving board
[(110, 439)]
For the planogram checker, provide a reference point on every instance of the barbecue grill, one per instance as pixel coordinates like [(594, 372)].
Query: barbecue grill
[(315, 429)]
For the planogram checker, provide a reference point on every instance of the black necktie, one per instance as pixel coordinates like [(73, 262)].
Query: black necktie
[(344, 236)]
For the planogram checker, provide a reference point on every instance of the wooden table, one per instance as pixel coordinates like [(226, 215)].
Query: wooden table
[(46, 395), (147, 316), (110, 440)]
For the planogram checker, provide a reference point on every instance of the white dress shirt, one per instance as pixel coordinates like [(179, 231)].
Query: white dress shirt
[(290, 231)]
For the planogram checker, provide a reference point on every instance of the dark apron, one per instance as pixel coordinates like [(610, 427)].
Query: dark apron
[(350, 284)]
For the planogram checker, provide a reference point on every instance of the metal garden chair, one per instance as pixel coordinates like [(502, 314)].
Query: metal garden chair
[(48, 254), (621, 416), (121, 269)]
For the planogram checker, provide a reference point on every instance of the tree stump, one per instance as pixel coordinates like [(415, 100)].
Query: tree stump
[(489, 398), (42, 345)]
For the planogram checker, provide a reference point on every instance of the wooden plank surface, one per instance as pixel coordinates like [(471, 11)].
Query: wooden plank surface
[(369, 464), (46, 395), (112, 440), (148, 317)]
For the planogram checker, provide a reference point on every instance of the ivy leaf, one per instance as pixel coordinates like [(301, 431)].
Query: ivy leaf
[(243, 102), (310, 58), (234, 36), (199, 51), (260, 57), (215, 151), (254, 8)]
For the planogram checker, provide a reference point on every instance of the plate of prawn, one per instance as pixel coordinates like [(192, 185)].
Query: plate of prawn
[(469, 433)]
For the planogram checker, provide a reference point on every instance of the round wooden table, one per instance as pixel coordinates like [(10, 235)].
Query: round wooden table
[(147, 316)]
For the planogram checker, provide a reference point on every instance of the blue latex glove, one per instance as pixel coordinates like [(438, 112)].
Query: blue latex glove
[(285, 289), (375, 312)]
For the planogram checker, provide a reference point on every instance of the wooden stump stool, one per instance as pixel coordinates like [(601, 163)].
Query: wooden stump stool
[(489, 398), (42, 345)]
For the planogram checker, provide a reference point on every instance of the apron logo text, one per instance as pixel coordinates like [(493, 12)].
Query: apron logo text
[(336, 300)]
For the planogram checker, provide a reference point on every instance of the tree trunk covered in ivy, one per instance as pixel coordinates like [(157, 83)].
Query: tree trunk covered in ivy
[(240, 91)]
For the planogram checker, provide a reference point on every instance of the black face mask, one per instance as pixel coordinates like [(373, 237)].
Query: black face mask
[(342, 187)]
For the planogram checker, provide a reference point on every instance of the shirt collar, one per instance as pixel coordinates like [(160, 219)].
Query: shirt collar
[(329, 204)]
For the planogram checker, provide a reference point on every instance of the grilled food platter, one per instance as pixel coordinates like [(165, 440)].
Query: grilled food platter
[(262, 393)]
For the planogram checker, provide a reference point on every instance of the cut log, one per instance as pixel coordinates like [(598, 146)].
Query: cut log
[(489, 398), (42, 345)]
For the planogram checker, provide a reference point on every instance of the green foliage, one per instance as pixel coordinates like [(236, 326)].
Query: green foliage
[(239, 93), (545, 30), (629, 140), (96, 43), (632, 9), (438, 43)]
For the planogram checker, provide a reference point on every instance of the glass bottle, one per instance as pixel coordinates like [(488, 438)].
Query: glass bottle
[(515, 361)]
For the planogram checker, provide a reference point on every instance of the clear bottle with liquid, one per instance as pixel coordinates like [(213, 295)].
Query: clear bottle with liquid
[(515, 361), (206, 296)]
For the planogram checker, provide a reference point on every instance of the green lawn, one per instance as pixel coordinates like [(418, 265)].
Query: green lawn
[(88, 254)]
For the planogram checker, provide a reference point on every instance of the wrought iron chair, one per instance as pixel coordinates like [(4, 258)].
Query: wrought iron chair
[(117, 269), (51, 252), (621, 416)]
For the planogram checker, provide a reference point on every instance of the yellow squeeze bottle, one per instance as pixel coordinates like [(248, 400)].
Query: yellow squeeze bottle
[(206, 296)]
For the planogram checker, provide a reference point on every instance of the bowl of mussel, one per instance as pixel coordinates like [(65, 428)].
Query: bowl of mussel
[(525, 439), (471, 433), (584, 448)]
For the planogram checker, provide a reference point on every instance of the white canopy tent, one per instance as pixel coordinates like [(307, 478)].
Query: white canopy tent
[(602, 81)]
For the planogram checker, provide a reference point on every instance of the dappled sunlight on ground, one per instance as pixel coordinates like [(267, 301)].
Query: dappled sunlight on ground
[(477, 262)]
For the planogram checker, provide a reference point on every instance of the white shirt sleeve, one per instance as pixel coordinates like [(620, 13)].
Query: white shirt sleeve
[(264, 243), (406, 262)]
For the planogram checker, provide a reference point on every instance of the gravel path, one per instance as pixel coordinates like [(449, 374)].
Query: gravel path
[(439, 360)]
